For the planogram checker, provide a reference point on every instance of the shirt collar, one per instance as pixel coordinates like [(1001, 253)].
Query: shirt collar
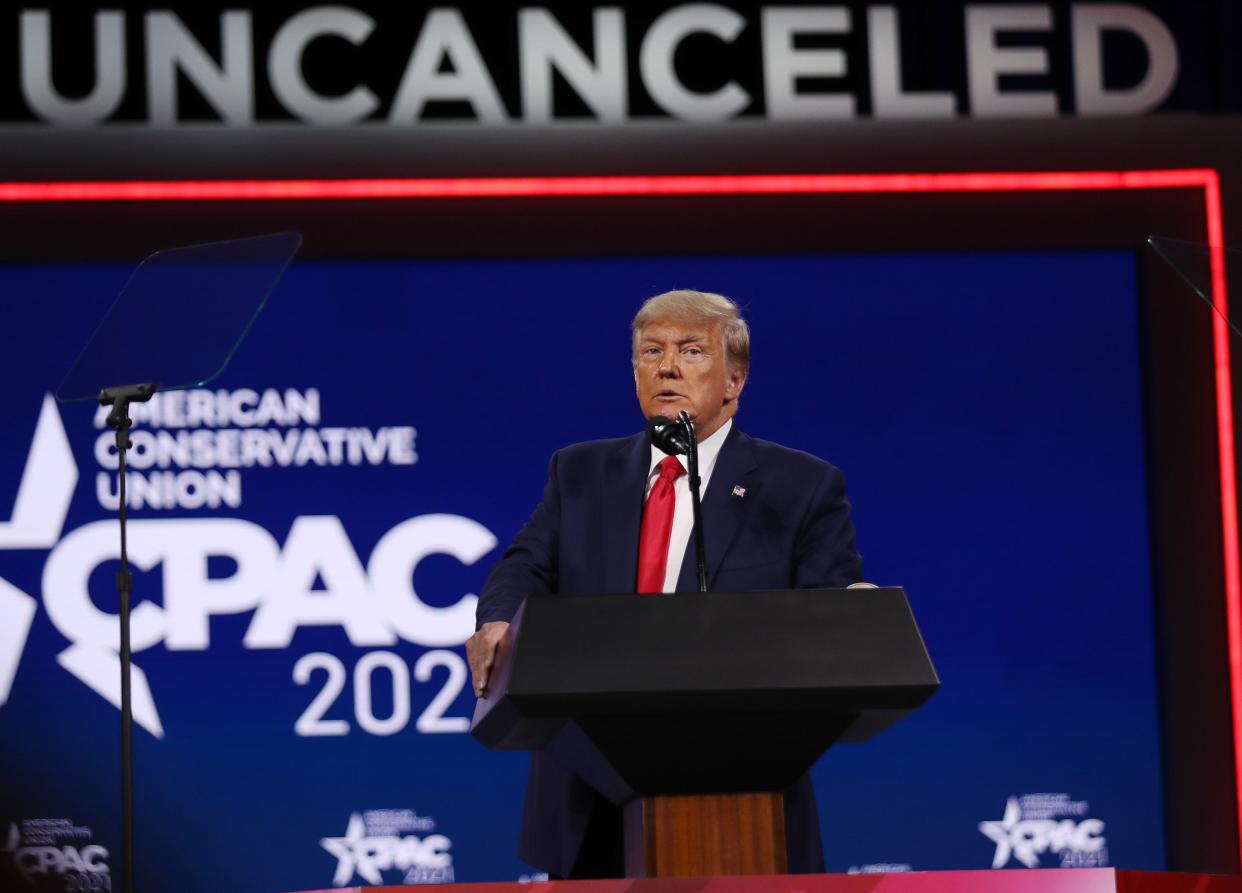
[(708, 451)]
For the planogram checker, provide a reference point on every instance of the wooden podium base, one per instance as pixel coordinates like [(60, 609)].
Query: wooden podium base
[(706, 835)]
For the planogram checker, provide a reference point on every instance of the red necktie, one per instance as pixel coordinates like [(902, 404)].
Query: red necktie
[(657, 527)]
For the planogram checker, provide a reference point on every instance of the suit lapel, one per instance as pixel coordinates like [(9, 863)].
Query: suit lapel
[(624, 489), (723, 511)]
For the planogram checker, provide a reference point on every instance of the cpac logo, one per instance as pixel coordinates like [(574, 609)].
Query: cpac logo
[(375, 605), (90, 862), (1079, 844), (424, 860)]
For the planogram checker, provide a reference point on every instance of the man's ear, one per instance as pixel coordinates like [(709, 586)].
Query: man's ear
[(737, 381)]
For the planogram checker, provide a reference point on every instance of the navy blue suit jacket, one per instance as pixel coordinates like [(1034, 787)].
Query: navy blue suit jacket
[(773, 518)]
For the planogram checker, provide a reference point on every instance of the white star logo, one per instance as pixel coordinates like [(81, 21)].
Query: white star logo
[(38, 516), (351, 854), (1001, 833), (36, 522), (46, 487)]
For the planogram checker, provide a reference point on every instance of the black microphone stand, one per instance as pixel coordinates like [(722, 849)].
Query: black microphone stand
[(692, 459), (119, 399)]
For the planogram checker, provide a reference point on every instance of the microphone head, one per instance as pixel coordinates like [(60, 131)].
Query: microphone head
[(667, 435)]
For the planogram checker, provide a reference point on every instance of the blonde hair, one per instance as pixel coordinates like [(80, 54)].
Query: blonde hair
[(687, 305)]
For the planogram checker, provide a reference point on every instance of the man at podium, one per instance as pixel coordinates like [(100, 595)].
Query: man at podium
[(616, 517)]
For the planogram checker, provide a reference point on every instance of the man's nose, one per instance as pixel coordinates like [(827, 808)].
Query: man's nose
[(668, 367)]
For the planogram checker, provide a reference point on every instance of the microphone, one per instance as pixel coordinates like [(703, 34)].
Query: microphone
[(680, 438), (668, 436)]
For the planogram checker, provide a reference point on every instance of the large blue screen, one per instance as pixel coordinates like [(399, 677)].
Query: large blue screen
[(313, 524)]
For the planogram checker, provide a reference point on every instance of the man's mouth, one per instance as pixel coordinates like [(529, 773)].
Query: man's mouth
[(668, 395)]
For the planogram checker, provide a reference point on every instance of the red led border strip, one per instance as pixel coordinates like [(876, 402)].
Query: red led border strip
[(546, 187), (1206, 179)]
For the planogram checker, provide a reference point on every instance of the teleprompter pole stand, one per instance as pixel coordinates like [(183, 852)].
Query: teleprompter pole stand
[(120, 399)]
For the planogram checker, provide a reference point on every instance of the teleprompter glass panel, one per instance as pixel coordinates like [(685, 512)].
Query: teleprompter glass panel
[(181, 316), (1206, 269)]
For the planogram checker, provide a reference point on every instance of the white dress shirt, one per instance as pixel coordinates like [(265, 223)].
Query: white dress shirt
[(683, 512)]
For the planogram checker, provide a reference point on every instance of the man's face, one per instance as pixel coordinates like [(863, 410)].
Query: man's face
[(682, 365)]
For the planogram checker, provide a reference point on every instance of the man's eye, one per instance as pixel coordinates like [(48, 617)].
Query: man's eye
[(693, 352)]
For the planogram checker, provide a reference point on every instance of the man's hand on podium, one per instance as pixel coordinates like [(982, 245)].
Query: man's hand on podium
[(481, 653)]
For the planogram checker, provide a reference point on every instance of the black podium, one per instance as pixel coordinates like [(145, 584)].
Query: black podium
[(696, 711)]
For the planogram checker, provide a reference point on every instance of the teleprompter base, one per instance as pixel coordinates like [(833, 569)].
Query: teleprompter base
[(705, 835)]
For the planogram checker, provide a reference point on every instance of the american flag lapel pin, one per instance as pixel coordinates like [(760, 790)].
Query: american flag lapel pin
[(739, 490)]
